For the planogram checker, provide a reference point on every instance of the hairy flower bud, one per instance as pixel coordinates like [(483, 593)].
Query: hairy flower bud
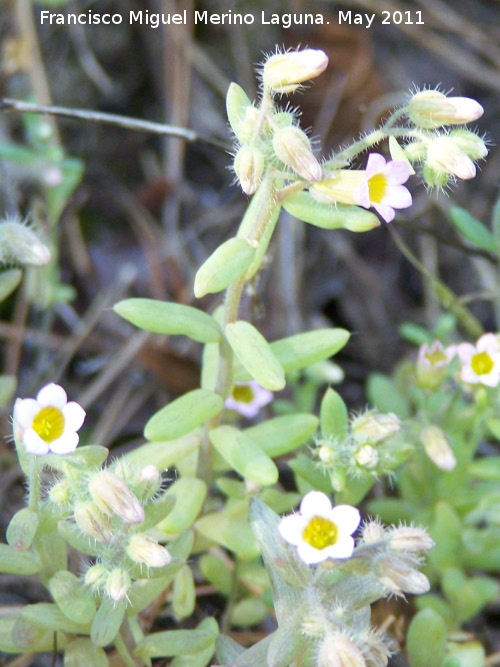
[(367, 457), (400, 577), (96, 576), (284, 72), (470, 143), (144, 549), (20, 244), (112, 496), (118, 583), (373, 532), (438, 448), (430, 109), (91, 521), (410, 539), (445, 156), (249, 166), (339, 651), (374, 427), (293, 148)]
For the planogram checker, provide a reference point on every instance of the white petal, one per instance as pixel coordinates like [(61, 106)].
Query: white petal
[(74, 416), (315, 503), (310, 555), (487, 343), (34, 443), (346, 518), (291, 528), (52, 394), (468, 375), (385, 211), (465, 352), (398, 196), (25, 410), (67, 443), (343, 548), (491, 379), (375, 164)]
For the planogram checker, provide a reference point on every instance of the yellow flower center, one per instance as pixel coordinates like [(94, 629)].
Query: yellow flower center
[(320, 533), (482, 363), (377, 186), (49, 424), (435, 357), (243, 393)]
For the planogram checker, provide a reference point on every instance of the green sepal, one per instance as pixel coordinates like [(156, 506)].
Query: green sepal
[(18, 562), (327, 216), (333, 415), (190, 494), (244, 456), (172, 319), (224, 266), (256, 355), (22, 529), (184, 593), (174, 642), (8, 384), (237, 102), (81, 652), (164, 454), (183, 415), (426, 641), (107, 621), (472, 229), (83, 458), (231, 529), (281, 435), (72, 598)]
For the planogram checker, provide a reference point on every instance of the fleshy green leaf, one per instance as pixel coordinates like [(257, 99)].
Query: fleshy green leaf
[(22, 529), (190, 494), (174, 642), (304, 207), (107, 621), (169, 318), (183, 415), (308, 348), (281, 435), (184, 593), (18, 562), (225, 265), (231, 529), (386, 396), (164, 454), (9, 280), (334, 417), (256, 355), (426, 642), (236, 104), (75, 601), (244, 456), (472, 229), (82, 653)]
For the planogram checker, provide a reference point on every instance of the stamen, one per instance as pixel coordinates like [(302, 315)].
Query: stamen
[(243, 394), (320, 533), (482, 363), (49, 424), (377, 186)]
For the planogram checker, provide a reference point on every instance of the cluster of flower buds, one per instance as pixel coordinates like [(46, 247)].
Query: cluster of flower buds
[(444, 154), (21, 244), (368, 450)]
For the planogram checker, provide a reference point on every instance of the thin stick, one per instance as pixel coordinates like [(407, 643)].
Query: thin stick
[(109, 118)]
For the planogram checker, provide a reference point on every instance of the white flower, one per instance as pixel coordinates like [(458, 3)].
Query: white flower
[(481, 363), (248, 397), (385, 186), (48, 423), (320, 531)]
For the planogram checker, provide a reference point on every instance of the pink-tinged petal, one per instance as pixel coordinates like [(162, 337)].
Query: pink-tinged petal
[(310, 555), (291, 528), (398, 196), (52, 394), (397, 172), (34, 443), (343, 548), (67, 443), (465, 352), (25, 410), (74, 416), (362, 195), (468, 375), (385, 211), (487, 343), (315, 503), (375, 164), (346, 518)]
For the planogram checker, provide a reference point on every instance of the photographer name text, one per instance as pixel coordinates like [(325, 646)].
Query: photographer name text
[(155, 20)]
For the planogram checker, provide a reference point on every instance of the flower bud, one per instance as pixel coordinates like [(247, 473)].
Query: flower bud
[(147, 482), (430, 109), (367, 457), (410, 539), (60, 493), (249, 166), (20, 244), (293, 148), (433, 178), (112, 496), (284, 72), (92, 522), (470, 143), (118, 583), (373, 532), (144, 549), (374, 427), (432, 364), (415, 151), (339, 651), (96, 577), (444, 156), (438, 448), (399, 577)]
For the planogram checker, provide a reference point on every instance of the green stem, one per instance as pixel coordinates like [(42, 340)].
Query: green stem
[(372, 139), (123, 651), (34, 486)]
